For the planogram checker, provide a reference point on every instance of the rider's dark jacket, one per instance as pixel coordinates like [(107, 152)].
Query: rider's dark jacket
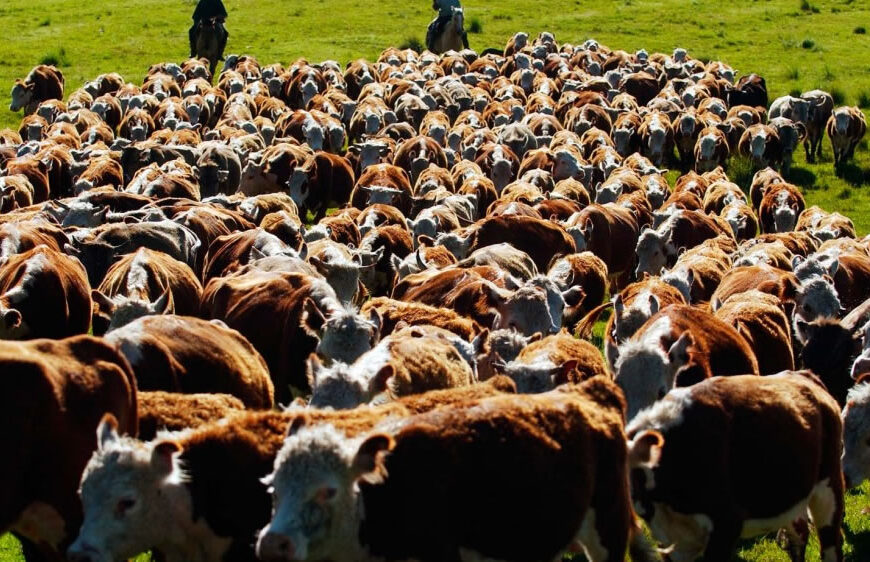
[(206, 9)]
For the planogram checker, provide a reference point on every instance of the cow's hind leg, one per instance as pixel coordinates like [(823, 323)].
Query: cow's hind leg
[(826, 508), (793, 539)]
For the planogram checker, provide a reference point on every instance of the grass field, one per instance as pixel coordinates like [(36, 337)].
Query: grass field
[(796, 45)]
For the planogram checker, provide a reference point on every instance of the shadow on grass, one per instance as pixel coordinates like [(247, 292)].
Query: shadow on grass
[(860, 542), (801, 176), (853, 174)]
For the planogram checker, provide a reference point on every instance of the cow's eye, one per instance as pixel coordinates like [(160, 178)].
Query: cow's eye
[(124, 505)]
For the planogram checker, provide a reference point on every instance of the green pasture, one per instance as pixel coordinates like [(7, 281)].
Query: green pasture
[(797, 45)]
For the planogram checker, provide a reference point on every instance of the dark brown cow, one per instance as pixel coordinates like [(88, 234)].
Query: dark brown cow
[(540, 239), (43, 83), (609, 231), (189, 355), (701, 504), (43, 294), (54, 395)]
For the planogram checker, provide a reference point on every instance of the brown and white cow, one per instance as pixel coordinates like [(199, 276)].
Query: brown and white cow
[(846, 127), (54, 394), (146, 282), (44, 82), (173, 411), (701, 504), (453, 521), (679, 346), (780, 208), (760, 318), (43, 294), (820, 110), (711, 149), (190, 355)]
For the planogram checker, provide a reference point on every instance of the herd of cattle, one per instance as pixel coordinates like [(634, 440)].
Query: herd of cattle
[(429, 339)]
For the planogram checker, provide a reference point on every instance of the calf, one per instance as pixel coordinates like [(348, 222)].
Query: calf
[(455, 444), (43, 294), (677, 447), (44, 82), (679, 346), (54, 394), (846, 127), (189, 355), (171, 411)]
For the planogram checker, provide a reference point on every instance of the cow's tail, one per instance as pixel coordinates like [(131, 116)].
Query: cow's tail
[(583, 329), (642, 548)]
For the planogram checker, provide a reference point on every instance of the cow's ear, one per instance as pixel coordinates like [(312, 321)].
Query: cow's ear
[(107, 431), (295, 425), (162, 456), (805, 330), (380, 382), (366, 458), (312, 366), (645, 449), (563, 373), (678, 354), (312, 318)]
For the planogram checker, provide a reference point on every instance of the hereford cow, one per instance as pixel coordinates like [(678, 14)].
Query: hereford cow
[(43, 83), (400, 365), (780, 208), (43, 294), (820, 110), (760, 318), (452, 442), (659, 248), (54, 396), (146, 282), (856, 435), (677, 447), (679, 346), (711, 149), (541, 240), (189, 355), (223, 464), (846, 127)]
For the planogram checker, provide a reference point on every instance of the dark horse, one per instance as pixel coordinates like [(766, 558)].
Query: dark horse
[(211, 38)]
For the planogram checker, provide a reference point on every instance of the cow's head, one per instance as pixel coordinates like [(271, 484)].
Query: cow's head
[(344, 334), (315, 493), (525, 310), (646, 372), (817, 298), (22, 95), (655, 250), (541, 376), (133, 495), (339, 386), (122, 309), (861, 365), (856, 435)]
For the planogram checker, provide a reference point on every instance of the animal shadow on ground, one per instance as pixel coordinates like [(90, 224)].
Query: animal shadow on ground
[(801, 176), (853, 174)]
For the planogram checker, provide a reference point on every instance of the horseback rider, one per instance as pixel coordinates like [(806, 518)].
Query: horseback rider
[(445, 14), (206, 10)]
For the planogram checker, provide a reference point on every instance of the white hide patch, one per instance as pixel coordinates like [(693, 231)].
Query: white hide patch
[(687, 533), (589, 538), (664, 414)]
